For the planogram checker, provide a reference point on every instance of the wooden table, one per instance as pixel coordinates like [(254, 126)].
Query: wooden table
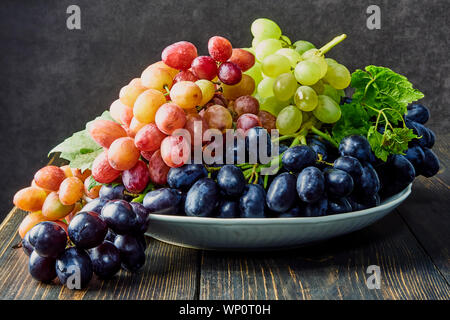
[(410, 246)]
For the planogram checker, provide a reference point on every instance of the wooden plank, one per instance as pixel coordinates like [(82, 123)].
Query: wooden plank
[(335, 269), (427, 210), (169, 273)]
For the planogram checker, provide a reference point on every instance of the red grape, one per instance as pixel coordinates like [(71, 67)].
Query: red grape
[(218, 117), (158, 169), (104, 132), (170, 117), (196, 125), (246, 104), (102, 171), (29, 222), (123, 154), (248, 121), (149, 138), (185, 75), (136, 179), (268, 120), (179, 55), (147, 155), (175, 151), (121, 112), (220, 48), (243, 59), (204, 67), (49, 178), (229, 73)]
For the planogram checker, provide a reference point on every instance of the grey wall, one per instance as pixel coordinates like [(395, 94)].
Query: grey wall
[(54, 80)]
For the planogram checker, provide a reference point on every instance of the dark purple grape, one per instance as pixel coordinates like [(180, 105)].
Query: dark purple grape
[(257, 144), (110, 236), (142, 217), (294, 212), (95, 205), (228, 209), (418, 113), (355, 146), (185, 176), (350, 165), (338, 205), (74, 265), (229, 73), (430, 165), (338, 182), (87, 230), (163, 201), (105, 260), (48, 239), (41, 268), (281, 194), (26, 245), (132, 254), (362, 203), (310, 184), (297, 158), (315, 209), (119, 216), (369, 183), (110, 192), (416, 156), (231, 180), (202, 198), (252, 202)]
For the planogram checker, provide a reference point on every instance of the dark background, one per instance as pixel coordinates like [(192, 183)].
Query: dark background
[(54, 80)]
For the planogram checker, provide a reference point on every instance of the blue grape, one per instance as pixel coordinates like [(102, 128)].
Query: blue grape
[(355, 146), (119, 216), (132, 254), (318, 149), (110, 192), (105, 260), (231, 180), (141, 217), (72, 260), (26, 245), (110, 235), (185, 176), (252, 202), (163, 201), (297, 158), (95, 205), (430, 165), (338, 205), (338, 182), (369, 183), (228, 209), (362, 203), (315, 209), (48, 239), (350, 165), (281, 194), (310, 184), (201, 199), (87, 230), (41, 268), (294, 212), (418, 113)]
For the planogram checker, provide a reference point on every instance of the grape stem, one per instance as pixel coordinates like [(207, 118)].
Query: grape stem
[(166, 87), (330, 45), (324, 136)]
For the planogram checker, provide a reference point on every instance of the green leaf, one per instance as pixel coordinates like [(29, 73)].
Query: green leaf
[(84, 161), (93, 183), (391, 142), (354, 120)]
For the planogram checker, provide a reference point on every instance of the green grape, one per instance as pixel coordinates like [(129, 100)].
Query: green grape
[(275, 64), (318, 87), (286, 40), (307, 116), (265, 87), (255, 42), (330, 61), (327, 110), (338, 76), (284, 86), (272, 105), (293, 56), (266, 47), (302, 46), (307, 73), (265, 29), (289, 120), (255, 72), (314, 55), (331, 92), (306, 98)]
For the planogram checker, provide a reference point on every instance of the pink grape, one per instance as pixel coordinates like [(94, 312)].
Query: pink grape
[(102, 171), (136, 179), (219, 48), (179, 55), (246, 104), (169, 118), (185, 75), (248, 121), (149, 138), (158, 169), (204, 67), (243, 59), (175, 151), (229, 73)]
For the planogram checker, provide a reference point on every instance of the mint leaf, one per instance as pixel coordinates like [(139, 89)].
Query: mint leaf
[(354, 120)]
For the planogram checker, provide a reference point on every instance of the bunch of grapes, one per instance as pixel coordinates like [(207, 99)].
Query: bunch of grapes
[(295, 82)]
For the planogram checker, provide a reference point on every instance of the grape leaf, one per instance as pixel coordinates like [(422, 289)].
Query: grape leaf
[(393, 141), (354, 120)]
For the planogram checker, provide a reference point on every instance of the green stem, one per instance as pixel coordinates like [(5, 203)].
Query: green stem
[(166, 87), (325, 136), (330, 45)]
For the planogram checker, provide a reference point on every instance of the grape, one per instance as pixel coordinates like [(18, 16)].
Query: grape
[(48, 239), (142, 217), (105, 260), (416, 156), (130, 92), (136, 179), (173, 72), (430, 166), (123, 154), (319, 87), (338, 182), (229, 73), (302, 46), (135, 126), (149, 138), (315, 209), (204, 67), (196, 126), (350, 165), (265, 87), (358, 204), (306, 99), (426, 139), (41, 268), (327, 110), (246, 104), (297, 158), (267, 47), (293, 56), (243, 59), (219, 48), (284, 86), (186, 94), (231, 180), (247, 121), (268, 121), (218, 117), (29, 222), (184, 177), (53, 209), (338, 76), (314, 55), (102, 171), (158, 169), (201, 198), (272, 105), (369, 183), (74, 259), (49, 178), (119, 216), (156, 78), (273, 65), (26, 245), (208, 90), (163, 201), (132, 254), (263, 28), (169, 118), (147, 104), (179, 55), (252, 202), (245, 87), (96, 205), (87, 230), (332, 93), (307, 72), (255, 72), (355, 146), (281, 194), (289, 120), (310, 184), (121, 112), (67, 171), (104, 132), (255, 42), (338, 205), (331, 62), (175, 151), (418, 113), (228, 209), (71, 190), (30, 199), (185, 75)]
